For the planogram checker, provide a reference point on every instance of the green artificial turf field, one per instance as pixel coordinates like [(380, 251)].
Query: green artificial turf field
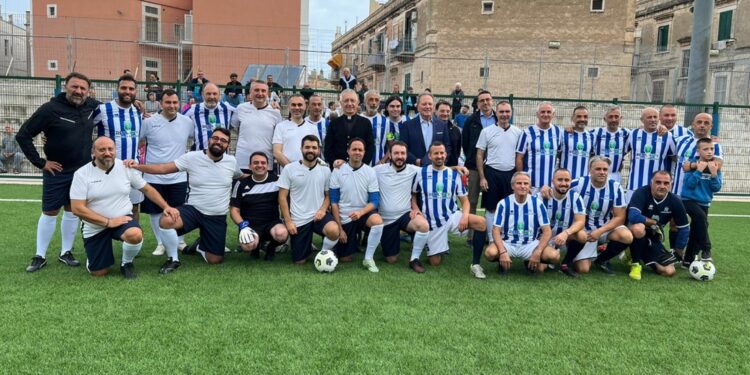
[(252, 316)]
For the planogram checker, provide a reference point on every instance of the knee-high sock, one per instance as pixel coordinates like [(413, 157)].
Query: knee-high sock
[(68, 230), (329, 244), (129, 251), (170, 241), (477, 244), (489, 218), (636, 248), (574, 248), (613, 249), (373, 239), (420, 240), (45, 229), (155, 228)]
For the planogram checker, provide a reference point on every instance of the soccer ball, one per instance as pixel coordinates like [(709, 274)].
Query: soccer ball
[(702, 270), (326, 261)]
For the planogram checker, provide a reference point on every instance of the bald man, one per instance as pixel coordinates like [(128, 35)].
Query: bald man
[(650, 151), (208, 115)]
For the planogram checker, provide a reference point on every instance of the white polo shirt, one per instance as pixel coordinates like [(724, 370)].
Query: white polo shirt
[(106, 192), (355, 185), (307, 187), (395, 190), (499, 146), (210, 182), (256, 127), (289, 135), (166, 140)]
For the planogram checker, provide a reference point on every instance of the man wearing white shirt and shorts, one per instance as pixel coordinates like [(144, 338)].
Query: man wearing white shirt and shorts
[(256, 120)]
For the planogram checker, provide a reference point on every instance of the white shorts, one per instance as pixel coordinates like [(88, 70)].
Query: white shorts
[(589, 251), (437, 239), (617, 176), (136, 196), (521, 251)]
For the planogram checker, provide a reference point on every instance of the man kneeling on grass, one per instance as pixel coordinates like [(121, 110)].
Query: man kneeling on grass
[(521, 230), (100, 195)]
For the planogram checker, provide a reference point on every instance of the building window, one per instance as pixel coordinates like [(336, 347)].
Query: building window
[(685, 63), (721, 88), (151, 66), (657, 90), (725, 25), (662, 38), (488, 7), (52, 65), (484, 72), (151, 25), (6, 47), (593, 72), (407, 80), (597, 5), (51, 10)]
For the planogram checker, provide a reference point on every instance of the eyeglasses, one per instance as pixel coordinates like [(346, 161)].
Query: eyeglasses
[(220, 140)]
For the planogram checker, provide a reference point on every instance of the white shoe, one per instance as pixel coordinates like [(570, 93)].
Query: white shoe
[(227, 250), (181, 246), (477, 271), (370, 265), (159, 251)]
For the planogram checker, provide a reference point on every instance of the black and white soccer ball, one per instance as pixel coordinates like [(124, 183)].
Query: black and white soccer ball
[(702, 270), (326, 261)]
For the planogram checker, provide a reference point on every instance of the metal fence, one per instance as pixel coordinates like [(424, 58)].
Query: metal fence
[(20, 97)]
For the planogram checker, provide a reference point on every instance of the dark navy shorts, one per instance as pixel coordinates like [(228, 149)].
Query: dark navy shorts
[(264, 230), (55, 190), (655, 253), (302, 241), (174, 194), (499, 187), (213, 229), (391, 240), (99, 246), (352, 229)]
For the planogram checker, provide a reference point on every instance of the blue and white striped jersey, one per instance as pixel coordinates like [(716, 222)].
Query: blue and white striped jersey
[(123, 125), (562, 212), (678, 131), (611, 145), (599, 202), (650, 152), (686, 152), (322, 126), (576, 149), (539, 147), (207, 119), (521, 222), (383, 130), (439, 190)]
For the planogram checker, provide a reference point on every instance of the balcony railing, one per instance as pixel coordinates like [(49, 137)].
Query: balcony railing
[(375, 61), (404, 50)]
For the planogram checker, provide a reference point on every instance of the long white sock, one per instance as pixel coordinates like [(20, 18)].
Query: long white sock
[(328, 244), (129, 251), (373, 240), (181, 239), (420, 240), (68, 229), (155, 228), (489, 217), (45, 229), (169, 236)]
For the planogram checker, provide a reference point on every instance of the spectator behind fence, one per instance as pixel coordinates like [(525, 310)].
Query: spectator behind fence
[(233, 91), (10, 151), (152, 105), (195, 87), (154, 86)]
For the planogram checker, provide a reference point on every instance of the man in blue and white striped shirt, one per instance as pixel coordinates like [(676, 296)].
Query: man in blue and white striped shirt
[(605, 206), (577, 146), (611, 141), (567, 215), (650, 151), (521, 229), (537, 149), (121, 121), (379, 126), (315, 117), (439, 186), (668, 118), (686, 151), (209, 115)]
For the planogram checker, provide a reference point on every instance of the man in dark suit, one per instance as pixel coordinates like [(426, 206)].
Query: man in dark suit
[(345, 127), (419, 132)]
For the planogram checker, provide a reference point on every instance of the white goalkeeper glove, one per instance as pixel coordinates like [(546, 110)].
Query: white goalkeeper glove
[(247, 234)]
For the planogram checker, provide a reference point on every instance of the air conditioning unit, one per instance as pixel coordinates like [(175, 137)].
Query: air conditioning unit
[(713, 52)]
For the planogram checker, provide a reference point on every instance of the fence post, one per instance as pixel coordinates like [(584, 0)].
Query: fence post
[(58, 84), (512, 114), (178, 88), (715, 117)]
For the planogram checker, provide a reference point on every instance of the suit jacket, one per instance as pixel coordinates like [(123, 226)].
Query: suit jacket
[(337, 139), (411, 134)]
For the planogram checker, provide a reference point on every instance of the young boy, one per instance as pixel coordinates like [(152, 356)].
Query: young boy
[(697, 192)]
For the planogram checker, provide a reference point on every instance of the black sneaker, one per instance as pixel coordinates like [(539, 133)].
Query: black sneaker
[(685, 265), (128, 271), (169, 266), (604, 267), (191, 249), (416, 266), (568, 270), (68, 259), (37, 263)]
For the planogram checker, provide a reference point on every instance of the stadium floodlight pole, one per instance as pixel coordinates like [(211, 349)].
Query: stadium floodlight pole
[(700, 44)]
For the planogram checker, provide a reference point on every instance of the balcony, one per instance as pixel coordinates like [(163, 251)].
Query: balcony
[(403, 51), (375, 62)]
